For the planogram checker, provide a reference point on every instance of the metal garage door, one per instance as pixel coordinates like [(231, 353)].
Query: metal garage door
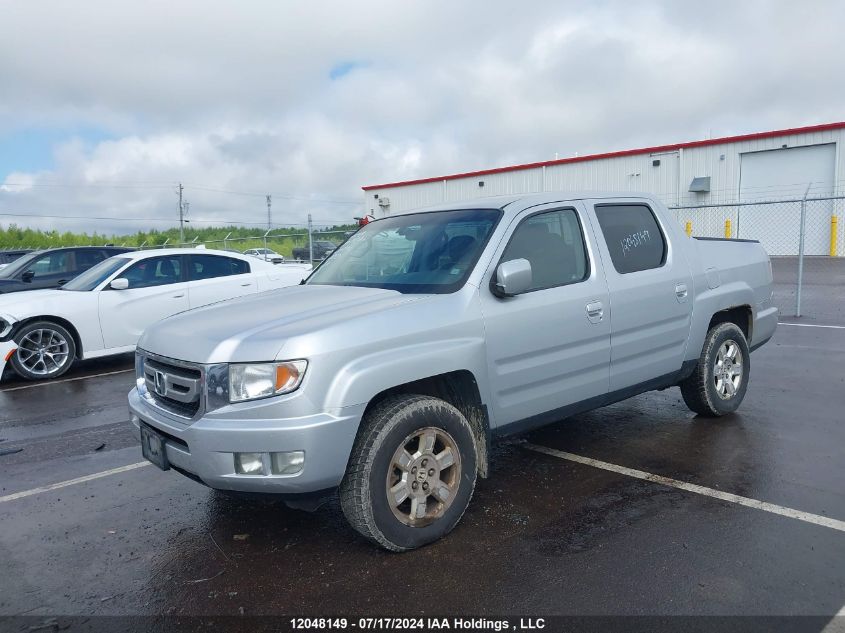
[(784, 174)]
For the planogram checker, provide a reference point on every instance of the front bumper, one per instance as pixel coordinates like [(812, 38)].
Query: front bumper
[(205, 448), (6, 348)]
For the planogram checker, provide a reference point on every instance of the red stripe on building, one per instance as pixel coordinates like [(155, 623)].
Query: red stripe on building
[(628, 152)]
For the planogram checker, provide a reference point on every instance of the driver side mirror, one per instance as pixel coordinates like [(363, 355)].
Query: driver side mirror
[(28, 276), (121, 283), (512, 278)]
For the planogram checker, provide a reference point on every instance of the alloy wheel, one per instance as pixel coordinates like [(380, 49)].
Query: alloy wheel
[(728, 370), (43, 352), (424, 476)]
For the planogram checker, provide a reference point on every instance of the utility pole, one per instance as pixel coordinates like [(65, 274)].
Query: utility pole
[(181, 216), (269, 215), (310, 242)]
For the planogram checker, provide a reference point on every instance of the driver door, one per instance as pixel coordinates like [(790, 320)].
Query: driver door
[(549, 347), (52, 270), (157, 289)]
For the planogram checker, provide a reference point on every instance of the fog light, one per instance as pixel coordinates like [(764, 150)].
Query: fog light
[(287, 463), (249, 464)]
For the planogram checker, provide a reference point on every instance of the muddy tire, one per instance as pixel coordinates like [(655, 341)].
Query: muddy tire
[(412, 472), (46, 350), (720, 380)]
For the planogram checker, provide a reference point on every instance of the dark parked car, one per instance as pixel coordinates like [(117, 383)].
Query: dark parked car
[(53, 267), (322, 249), (8, 256)]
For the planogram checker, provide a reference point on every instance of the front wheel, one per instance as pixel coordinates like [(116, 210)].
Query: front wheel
[(411, 473), (719, 382), (45, 350)]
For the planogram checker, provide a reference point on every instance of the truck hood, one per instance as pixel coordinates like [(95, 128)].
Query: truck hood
[(255, 328)]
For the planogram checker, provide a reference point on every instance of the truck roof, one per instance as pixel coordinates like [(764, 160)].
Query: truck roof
[(525, 200)]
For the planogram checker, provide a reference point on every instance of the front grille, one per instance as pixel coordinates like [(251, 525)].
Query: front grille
[(176, 388)]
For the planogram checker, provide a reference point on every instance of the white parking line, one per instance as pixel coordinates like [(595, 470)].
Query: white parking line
[(830, 327), (72, 482), (58, 382), (836, 624), (701, 490)]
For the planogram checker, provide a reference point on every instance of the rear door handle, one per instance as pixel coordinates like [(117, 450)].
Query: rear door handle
[(595, 311), (245, 285), (681, 292), (179, 296)]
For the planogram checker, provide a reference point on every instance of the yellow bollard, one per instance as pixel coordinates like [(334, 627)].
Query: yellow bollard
[(728, 228), (834, 234), (689, 228)]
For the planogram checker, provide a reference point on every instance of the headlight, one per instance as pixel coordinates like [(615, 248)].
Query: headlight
[(140, 380), (261, 380)]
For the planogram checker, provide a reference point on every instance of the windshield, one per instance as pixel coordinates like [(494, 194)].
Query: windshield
[(18, 265), (430, 252), (93, 277)]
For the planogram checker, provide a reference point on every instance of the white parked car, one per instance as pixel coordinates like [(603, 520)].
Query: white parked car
[(104, 310), (266, 254)]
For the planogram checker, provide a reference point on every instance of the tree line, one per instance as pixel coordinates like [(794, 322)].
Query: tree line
[(282, 240)]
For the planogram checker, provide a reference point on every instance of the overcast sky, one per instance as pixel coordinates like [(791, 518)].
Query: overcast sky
[(105, 105)]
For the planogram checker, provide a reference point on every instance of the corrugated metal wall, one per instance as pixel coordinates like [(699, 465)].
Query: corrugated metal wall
[(670, 180)]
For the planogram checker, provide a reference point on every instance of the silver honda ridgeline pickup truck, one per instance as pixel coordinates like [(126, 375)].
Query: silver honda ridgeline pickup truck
[(387, 373)]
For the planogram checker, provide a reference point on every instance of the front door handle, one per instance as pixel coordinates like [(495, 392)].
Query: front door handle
[(595, 311), (245, 285), (179, 296), (681, 292)]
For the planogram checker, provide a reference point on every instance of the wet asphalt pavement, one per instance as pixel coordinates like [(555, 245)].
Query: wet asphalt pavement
[(542, 535)]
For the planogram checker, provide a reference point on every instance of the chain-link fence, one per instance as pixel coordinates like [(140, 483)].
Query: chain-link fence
[(308, 246), (804, 240)]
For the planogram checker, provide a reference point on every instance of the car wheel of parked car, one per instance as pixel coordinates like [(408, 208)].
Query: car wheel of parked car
[(719, 382), (411, 473), (45, 350)]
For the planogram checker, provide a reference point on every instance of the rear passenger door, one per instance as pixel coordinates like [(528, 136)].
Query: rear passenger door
[(213, 278), (650, 288), (548, 347)]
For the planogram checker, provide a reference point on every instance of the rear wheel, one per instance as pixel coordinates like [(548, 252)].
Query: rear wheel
[(411, 474), (719, 382), (45, 350)]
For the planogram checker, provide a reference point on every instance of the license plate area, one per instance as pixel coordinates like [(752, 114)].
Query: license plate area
[(153, 447)]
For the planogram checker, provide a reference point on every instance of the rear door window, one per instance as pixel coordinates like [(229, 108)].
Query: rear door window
[(633, 237), (211, 266), (86, 259)]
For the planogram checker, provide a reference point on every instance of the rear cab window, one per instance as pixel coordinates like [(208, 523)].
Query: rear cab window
[(633, 237)]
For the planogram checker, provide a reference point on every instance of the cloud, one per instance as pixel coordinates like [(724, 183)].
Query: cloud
[(308, 101)]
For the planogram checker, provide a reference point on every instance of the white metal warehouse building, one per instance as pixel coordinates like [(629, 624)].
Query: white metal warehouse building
[(777, 165)]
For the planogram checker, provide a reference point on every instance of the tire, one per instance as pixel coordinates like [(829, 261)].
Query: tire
[(440, 492), (717, 387), (46, 350)]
